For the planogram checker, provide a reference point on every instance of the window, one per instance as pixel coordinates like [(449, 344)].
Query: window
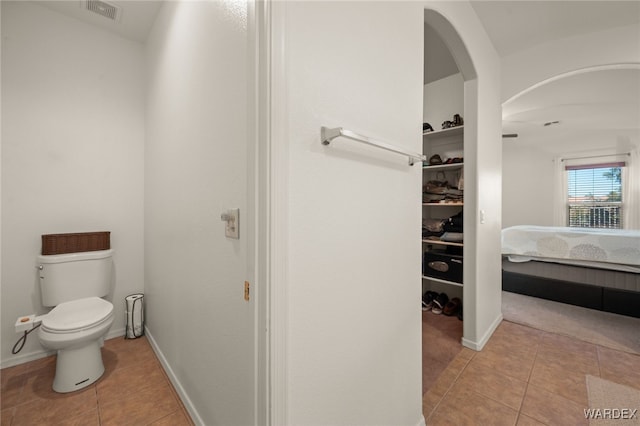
[(595, 195)]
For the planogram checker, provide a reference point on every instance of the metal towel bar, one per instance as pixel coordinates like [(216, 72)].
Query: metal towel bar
[(327, 135)]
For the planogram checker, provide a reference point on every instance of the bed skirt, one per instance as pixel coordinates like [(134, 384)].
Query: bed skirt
[(604, 292)]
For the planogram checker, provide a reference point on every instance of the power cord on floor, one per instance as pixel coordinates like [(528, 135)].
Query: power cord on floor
[(22, 340)]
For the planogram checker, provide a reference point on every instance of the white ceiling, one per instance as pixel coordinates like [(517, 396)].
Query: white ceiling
[(593, 104), (604, 102), (517, 25), (598, 101)]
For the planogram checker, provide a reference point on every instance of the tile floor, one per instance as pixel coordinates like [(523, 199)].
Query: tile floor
[(524, 376), (134, 390), (441, 336)]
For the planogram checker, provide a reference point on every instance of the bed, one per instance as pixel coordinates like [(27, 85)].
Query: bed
[(594, 268)]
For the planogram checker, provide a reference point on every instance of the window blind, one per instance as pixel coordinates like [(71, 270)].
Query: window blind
[(595, 195)]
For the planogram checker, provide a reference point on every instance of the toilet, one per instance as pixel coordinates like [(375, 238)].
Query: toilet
[(75, 284)]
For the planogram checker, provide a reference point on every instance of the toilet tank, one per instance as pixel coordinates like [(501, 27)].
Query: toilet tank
[(65, 277)]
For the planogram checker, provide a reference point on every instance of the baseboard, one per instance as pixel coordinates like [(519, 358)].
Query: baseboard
[(477, 346), (24, 358), (41, 353), (186, 401), (422, 422)]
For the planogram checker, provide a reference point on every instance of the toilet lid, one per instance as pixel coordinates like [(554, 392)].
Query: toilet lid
[(77, 314)]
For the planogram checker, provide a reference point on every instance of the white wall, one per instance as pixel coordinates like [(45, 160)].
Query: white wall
[(353, 212), (196, 166), (72, 153), (442, 99)]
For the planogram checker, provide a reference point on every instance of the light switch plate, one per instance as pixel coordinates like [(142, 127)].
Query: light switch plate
[(232, 223)]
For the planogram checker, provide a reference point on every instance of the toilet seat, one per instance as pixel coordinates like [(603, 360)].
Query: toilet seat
[(77, 315)]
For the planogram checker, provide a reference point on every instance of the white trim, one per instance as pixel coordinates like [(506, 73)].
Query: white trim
[(42, 353), (186, 401), (24, 358), (422, 421), (258, 201), (477, 346), (278, 217)]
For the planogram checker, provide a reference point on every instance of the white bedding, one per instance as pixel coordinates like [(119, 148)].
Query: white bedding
[(616, 249)]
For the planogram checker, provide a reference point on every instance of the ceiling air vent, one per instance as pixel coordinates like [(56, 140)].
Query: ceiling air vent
[(102, 8)]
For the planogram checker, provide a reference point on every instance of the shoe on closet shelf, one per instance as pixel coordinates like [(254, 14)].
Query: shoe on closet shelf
[(452, 307), (427, 300), (439, 303)]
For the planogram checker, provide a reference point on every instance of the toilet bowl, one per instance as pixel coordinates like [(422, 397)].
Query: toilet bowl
[(76, 329), (74, 285)]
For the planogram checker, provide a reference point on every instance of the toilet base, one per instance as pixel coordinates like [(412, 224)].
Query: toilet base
[(78, 367)]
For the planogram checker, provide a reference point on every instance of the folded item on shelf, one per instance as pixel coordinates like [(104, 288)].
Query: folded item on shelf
[(432, 198), (435, 187), (433, 225), (430, 235), (452, 237)]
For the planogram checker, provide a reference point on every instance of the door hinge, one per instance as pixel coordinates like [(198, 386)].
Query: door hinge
[(246, 290)]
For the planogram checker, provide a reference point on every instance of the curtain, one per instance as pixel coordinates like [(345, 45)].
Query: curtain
[(631, 191), (560, 193)]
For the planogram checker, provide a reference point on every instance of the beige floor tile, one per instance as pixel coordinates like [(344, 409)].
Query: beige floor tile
[(177, 418), (569, 344), (429, 403), (518, 331), (504, 362), (39, 384), (449, 376), (466, 353), (551, 408), (130, 365), (441, 348), (528, 421), (125, 381), (46, 363), (563, 382), (494, 385), (462, 406), (516, 347), (144, 407), (619, 367), (55, 408), (457, 365), (431, 370), (7, 416), (562, 359), (89, 418), (553, 365), (123, 353), (11, 391)]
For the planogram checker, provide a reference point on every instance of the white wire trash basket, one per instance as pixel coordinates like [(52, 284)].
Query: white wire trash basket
[(135, 316)]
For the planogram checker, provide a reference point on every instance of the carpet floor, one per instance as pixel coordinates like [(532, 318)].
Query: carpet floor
[(614, 331), (623, 403)]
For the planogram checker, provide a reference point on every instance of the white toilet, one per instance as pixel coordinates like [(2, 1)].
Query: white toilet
[(75, 283)]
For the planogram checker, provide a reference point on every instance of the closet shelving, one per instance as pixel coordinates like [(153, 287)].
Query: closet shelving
[(448, 143)]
